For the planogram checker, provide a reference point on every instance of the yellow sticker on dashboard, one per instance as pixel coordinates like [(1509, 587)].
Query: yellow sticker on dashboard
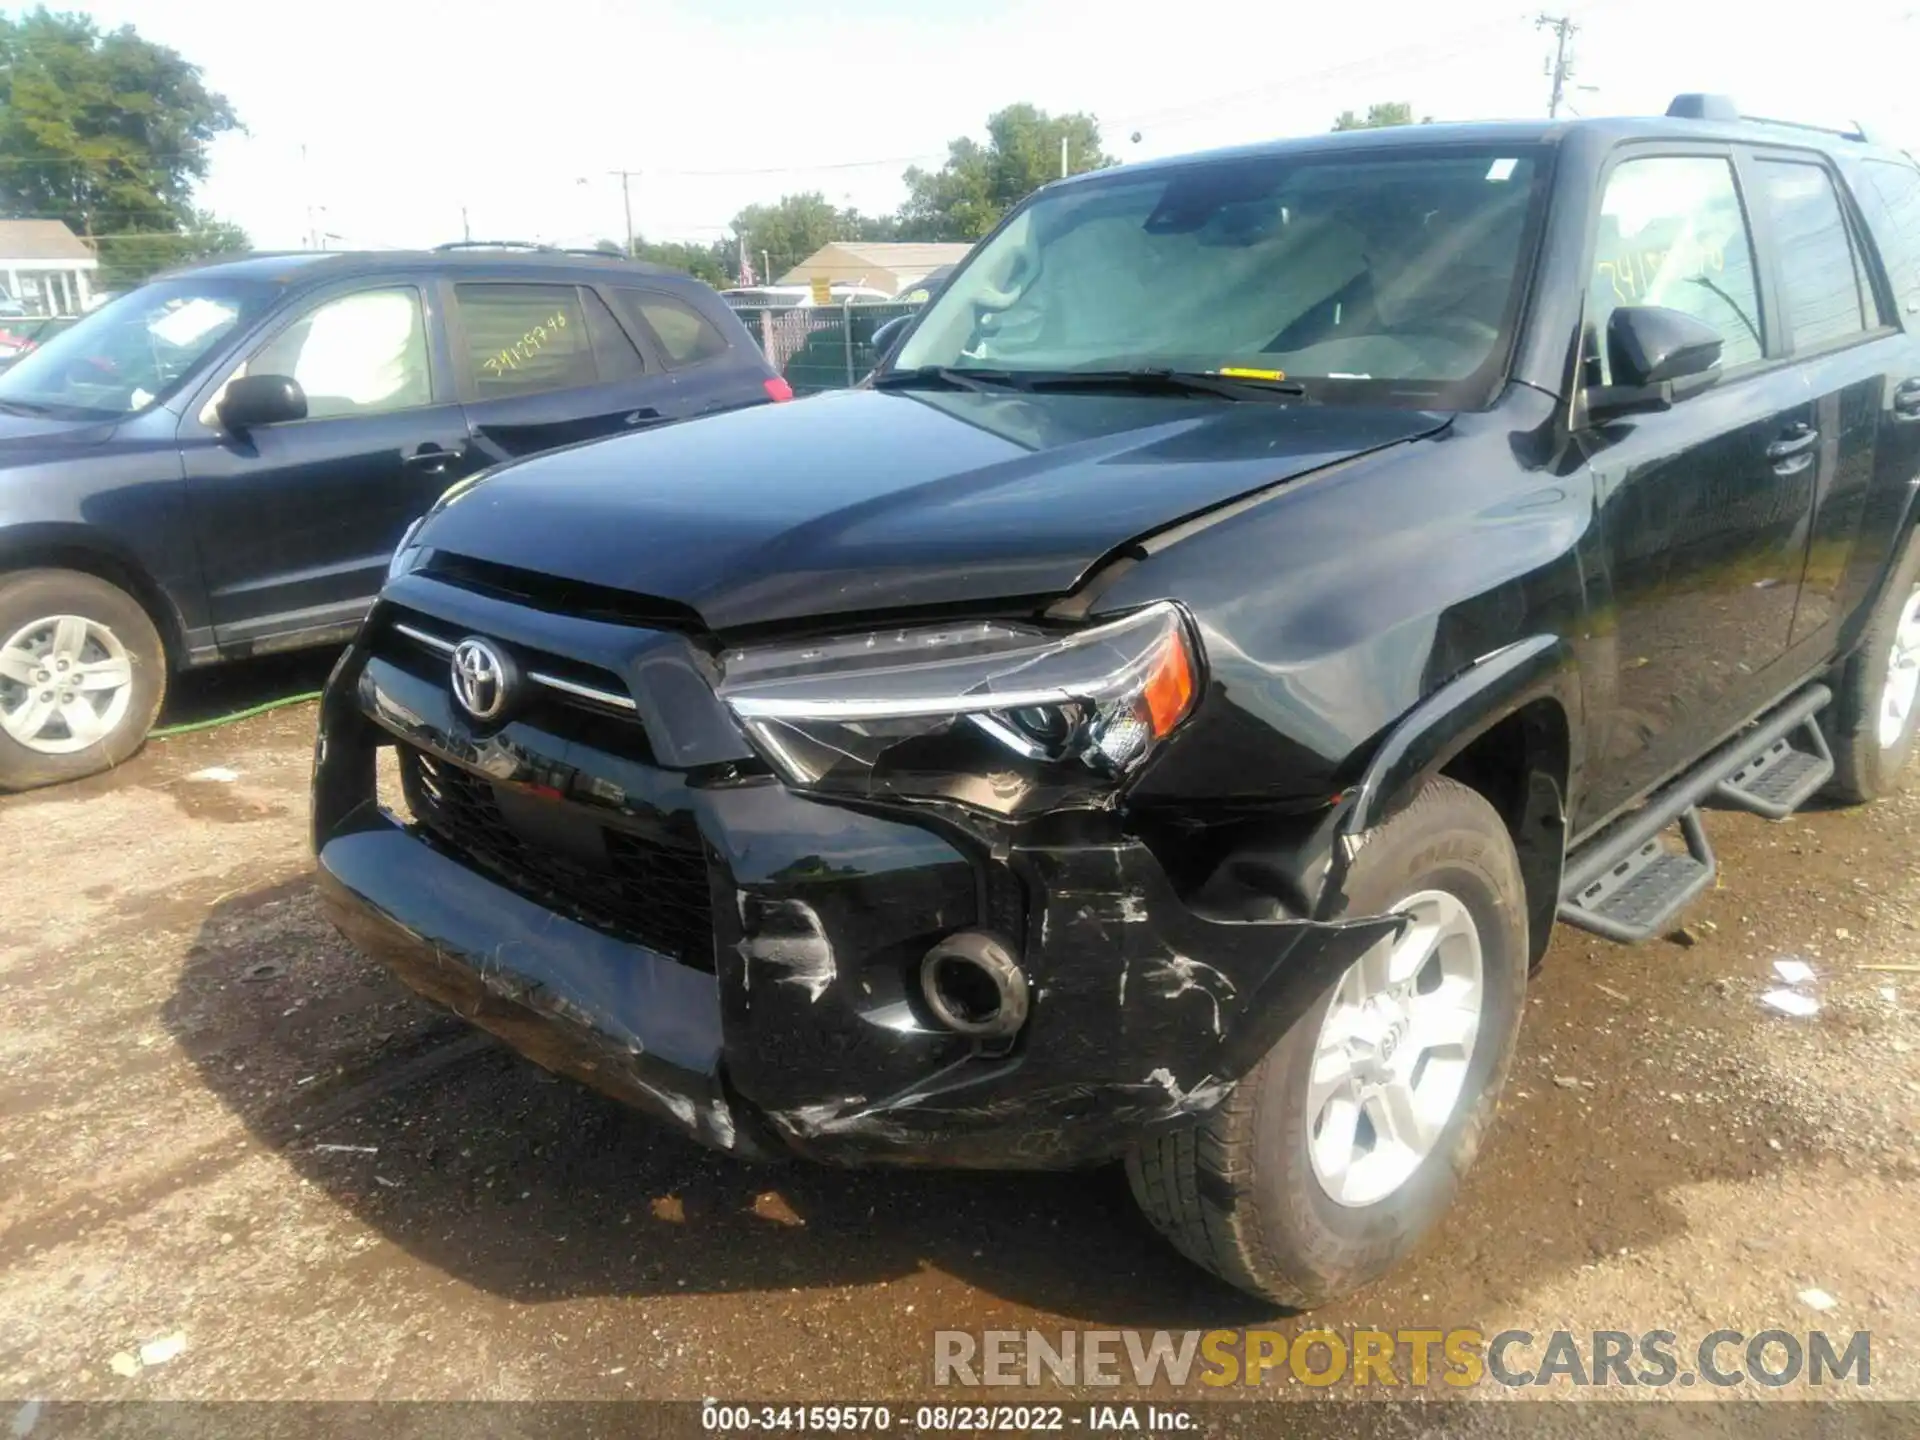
[(1239, 372)]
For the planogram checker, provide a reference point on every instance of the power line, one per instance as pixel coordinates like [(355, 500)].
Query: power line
[(1425, 50), (801, 169)]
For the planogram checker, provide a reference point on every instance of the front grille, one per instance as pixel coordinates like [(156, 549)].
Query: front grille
[(563, 696), (650, 890)]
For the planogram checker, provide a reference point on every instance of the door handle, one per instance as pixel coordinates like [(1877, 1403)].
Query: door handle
[(1792, 452), (1906, 400), (432, 459)]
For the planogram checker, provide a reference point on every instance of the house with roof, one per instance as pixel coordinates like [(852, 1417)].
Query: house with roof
[(891, 266), (47, 268)]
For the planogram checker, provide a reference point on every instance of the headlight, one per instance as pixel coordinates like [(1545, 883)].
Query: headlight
[(1005, 718)]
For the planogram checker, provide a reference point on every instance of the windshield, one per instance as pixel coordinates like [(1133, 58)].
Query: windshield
[(1383, 276), (133, 352)]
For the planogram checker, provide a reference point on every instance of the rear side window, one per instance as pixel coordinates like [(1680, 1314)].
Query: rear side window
[(1890, 194), (522, 339), (686, 336), (1823, 289), (1672, 233), (613, 352)]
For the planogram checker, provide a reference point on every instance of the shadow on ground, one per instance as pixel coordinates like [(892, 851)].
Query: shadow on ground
[(197, 696)]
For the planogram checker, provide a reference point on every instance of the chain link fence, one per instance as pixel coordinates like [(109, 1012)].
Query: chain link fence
[(820, 347)]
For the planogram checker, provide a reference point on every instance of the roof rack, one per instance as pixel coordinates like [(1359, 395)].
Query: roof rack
[(490, 245), (1696, 106), (533, 246)]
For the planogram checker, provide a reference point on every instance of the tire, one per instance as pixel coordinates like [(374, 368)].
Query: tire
[(1238, 1191), (103, 633), (1867, 762)]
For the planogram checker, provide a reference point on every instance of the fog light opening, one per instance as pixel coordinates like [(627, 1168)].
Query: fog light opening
[(965, 991), (974, 987)]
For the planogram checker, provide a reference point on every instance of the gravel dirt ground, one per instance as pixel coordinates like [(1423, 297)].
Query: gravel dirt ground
[(218, 1123)]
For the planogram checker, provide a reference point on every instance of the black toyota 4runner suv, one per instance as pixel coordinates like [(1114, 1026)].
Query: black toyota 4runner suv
[(1163, 712), (221, 462)]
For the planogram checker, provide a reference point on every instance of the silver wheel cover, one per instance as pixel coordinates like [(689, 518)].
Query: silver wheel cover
[(1392, 1056), (1903, 675), (65, 684)]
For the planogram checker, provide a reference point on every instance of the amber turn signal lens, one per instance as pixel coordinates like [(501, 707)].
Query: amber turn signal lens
[(1169, 689)]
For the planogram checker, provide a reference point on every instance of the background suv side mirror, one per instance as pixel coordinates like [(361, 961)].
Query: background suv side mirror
[(253, 400), (1656, 355)]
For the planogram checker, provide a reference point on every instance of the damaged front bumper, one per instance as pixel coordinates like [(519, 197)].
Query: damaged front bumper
[(797, 1023)]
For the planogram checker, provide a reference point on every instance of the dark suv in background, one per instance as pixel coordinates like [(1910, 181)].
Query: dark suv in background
[(1164, 714), (223, 461)]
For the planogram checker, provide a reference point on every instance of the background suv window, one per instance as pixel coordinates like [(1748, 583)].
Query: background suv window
[(686, 336), (521, 339), (1823, 289), (613, 352), (360, 354), (1672, 233)]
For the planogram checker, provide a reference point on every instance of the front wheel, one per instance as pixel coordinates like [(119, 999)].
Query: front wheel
[(1344, 1145), (82, 674)]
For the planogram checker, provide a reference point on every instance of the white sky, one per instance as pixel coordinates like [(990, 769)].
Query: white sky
[(410, 109)]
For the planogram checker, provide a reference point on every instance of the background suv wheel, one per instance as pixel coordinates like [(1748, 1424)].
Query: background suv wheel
[(82, 674)]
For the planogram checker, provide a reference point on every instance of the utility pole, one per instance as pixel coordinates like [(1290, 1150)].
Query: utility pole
[(1560, 68), (1063, 157), (466, 230), (306, 184), (626, 201)]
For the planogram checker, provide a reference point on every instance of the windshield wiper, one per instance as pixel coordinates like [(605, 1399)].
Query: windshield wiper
[(1153, 380), (949, 377), (22, 407)]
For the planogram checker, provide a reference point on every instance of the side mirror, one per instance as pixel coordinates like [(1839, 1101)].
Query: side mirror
[(1656, 355), (884, 335), (1649, 344), (255, 400)]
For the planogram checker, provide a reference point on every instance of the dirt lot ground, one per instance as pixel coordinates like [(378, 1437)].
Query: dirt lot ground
[(218, 1122)]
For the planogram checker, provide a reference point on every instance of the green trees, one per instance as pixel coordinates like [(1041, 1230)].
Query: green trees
[(966, 197), (109, 133), (1378, 117), (962, 200)]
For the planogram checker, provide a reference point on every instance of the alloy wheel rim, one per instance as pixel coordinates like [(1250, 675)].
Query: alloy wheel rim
[(1390, 1063), (65, 684), (1903, 675)]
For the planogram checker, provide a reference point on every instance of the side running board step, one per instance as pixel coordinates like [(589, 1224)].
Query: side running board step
[(1627, 884), (1781, 777), (1638, 896)]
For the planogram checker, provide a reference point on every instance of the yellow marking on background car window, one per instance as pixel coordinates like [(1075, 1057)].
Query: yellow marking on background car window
[(1241, 372), (528, 345)]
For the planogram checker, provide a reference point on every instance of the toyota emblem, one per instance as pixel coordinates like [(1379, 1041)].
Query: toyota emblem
[(482, 679)]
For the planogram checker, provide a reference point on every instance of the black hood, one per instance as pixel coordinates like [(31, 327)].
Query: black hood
[(872, 500)]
